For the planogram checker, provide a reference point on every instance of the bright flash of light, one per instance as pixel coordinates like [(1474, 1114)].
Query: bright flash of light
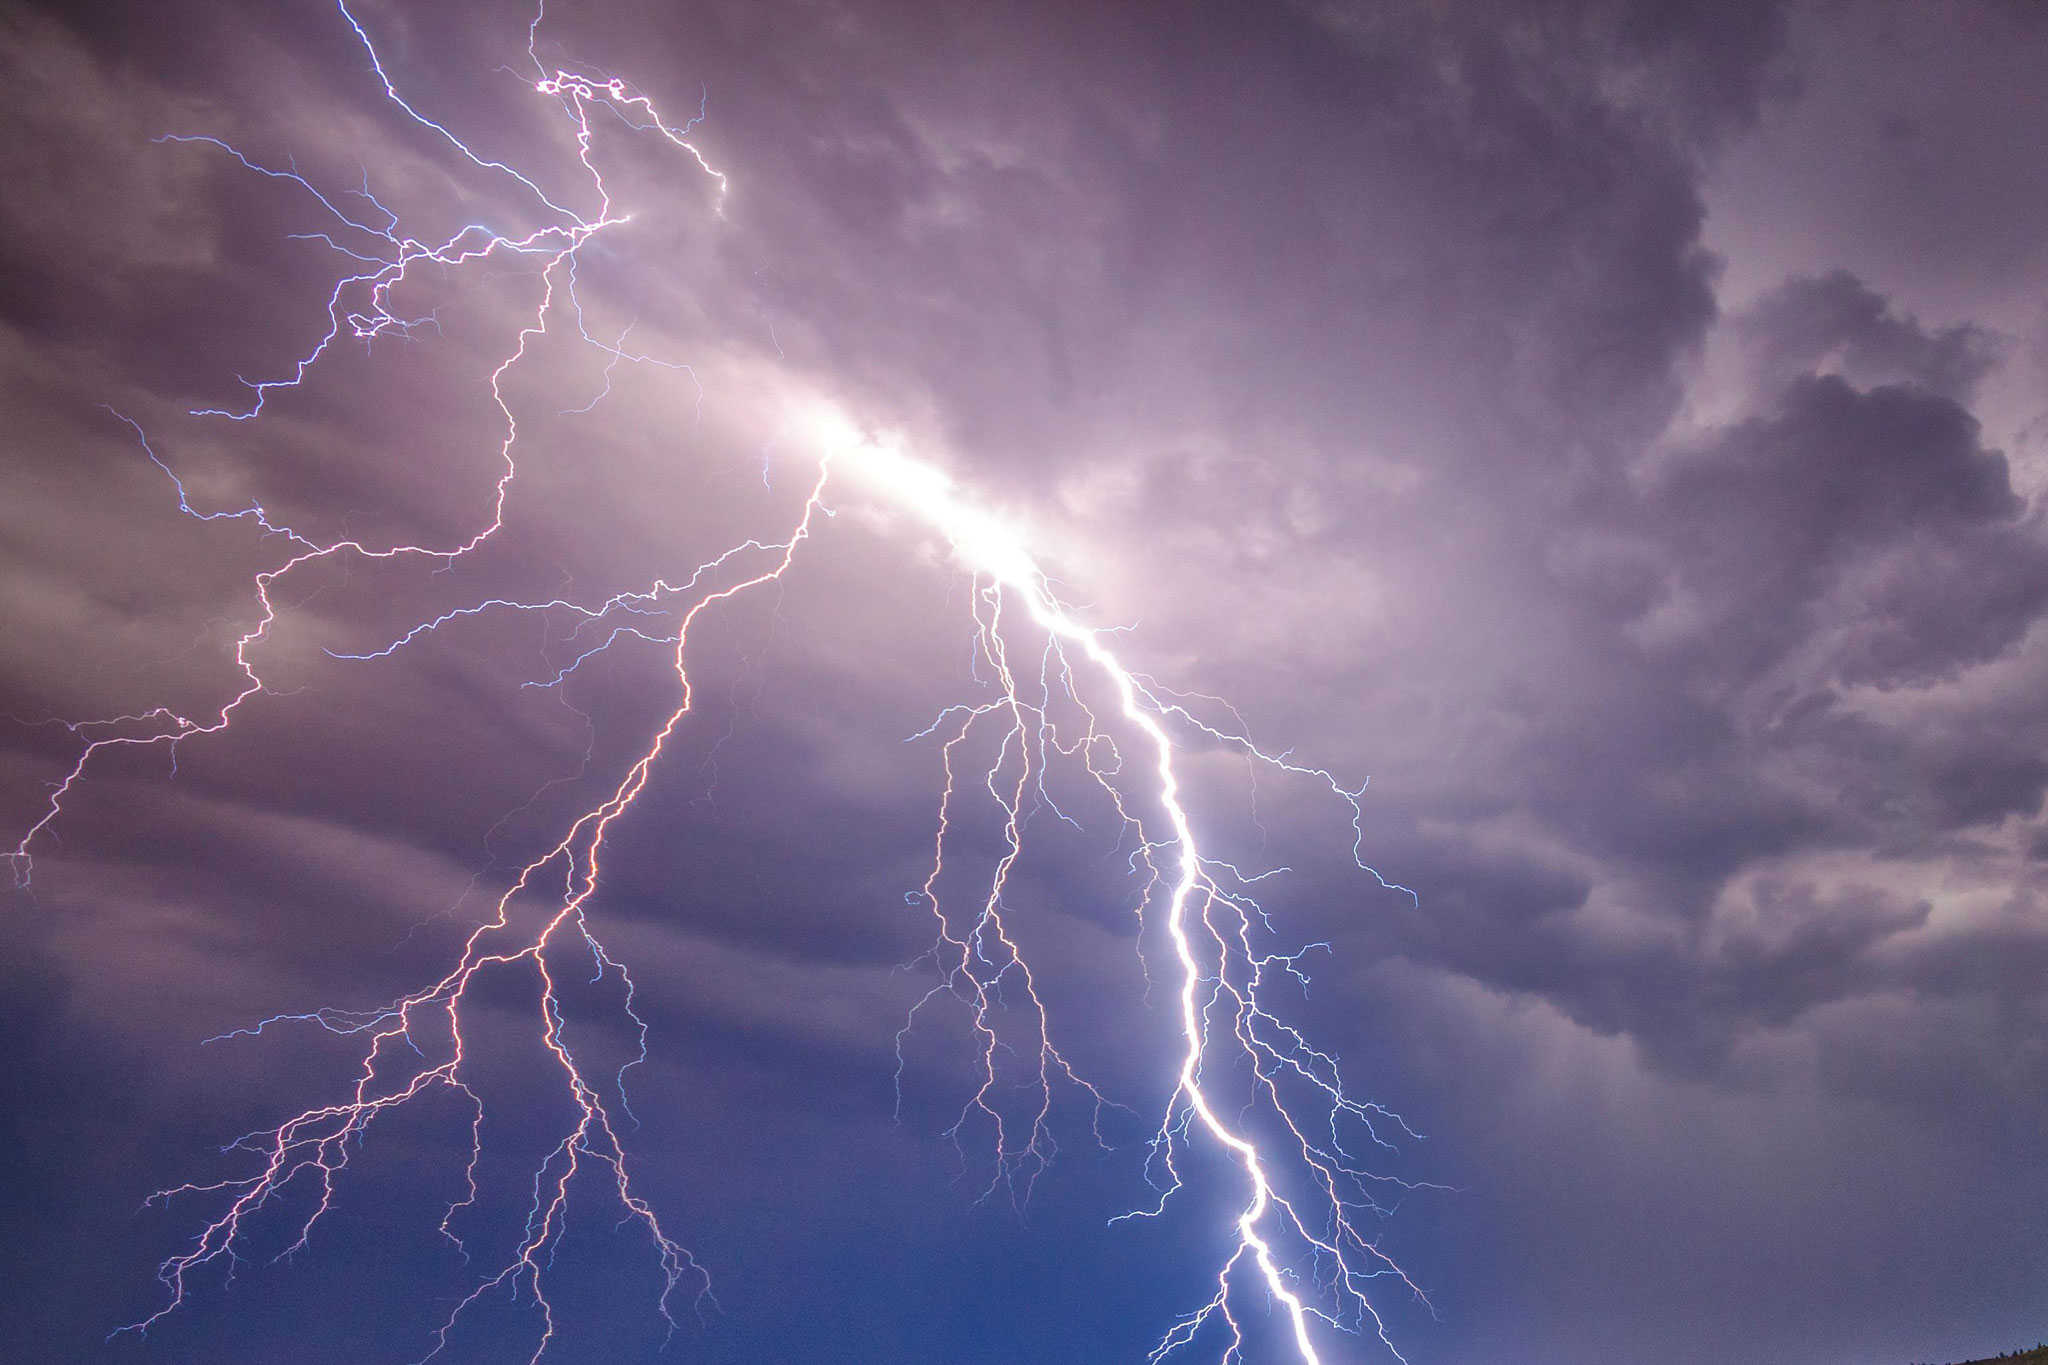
[(1058, 693)]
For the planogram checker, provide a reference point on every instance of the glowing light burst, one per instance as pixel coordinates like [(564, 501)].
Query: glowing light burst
[(1059, 693)]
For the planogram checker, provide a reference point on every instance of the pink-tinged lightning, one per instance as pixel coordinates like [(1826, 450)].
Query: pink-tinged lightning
[(1298, 1232)]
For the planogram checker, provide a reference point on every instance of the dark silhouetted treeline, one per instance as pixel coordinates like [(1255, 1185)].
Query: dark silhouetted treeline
[(2037, 1355)]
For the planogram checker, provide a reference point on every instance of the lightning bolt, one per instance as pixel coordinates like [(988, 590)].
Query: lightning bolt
[(1058, 693)]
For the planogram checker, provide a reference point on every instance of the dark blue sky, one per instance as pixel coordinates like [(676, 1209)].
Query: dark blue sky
[(1614, 428)]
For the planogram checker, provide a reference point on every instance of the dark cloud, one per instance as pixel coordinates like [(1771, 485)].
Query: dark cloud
[(1839, 323), (1865, 532), (1784, 612)]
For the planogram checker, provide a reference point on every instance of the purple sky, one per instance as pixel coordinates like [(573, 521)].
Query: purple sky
[(1616, 429)]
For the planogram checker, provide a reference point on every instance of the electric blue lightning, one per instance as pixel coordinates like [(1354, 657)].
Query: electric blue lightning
[(1057, 692)]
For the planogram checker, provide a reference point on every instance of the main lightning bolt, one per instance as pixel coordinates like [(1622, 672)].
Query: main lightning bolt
[(1298, 1231)]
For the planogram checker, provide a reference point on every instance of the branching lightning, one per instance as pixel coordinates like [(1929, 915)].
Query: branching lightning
[(1057, 693)]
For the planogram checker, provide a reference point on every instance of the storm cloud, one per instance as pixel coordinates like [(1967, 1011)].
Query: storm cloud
[(1614, 427)]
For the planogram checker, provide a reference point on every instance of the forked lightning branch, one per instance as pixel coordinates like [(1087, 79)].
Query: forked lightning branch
[(1244, 1084)]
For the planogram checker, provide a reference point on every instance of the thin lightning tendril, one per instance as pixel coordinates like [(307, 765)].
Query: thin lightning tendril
[(1299, 1231)]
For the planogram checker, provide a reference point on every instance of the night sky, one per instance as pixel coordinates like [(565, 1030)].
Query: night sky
[(1615, 429)]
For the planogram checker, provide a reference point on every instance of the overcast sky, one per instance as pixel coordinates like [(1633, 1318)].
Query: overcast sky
[(1615, 429)]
